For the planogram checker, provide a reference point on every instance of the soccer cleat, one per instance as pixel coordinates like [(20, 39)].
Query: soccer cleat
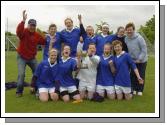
[(134, 92), (140, 93), (77, 101)]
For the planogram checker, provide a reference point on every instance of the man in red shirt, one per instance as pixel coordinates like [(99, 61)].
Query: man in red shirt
[(27, 49)]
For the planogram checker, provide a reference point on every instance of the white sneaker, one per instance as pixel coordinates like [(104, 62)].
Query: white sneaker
[(134, 92), (140, 93)]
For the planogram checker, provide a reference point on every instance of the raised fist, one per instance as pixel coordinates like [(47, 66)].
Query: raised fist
[(24, 15)]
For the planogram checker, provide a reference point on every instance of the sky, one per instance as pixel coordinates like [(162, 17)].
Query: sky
[(114, 15)]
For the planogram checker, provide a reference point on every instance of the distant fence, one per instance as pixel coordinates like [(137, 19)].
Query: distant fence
[(11, 43)]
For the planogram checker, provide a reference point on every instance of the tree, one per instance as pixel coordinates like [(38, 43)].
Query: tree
[(43, 33), (8, 34), (149, 30), (99, 28)]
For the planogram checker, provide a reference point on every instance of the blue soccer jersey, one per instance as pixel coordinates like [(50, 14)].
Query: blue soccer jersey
[(123, 63), (65, 73), (56, 45), (104, 74), (101, 40), (88, 40), (46, 74), (71, 39)]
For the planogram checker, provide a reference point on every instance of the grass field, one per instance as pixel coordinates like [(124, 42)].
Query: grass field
[(29, 104)]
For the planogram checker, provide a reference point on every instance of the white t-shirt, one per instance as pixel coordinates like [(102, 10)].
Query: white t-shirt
[(89, 74), (79, 46)]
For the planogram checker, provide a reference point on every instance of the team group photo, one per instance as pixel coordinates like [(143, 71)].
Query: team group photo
[(80, 59)]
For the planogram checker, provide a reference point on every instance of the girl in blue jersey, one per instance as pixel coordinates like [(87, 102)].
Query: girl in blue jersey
[(88, 35), (70, 36), (105, 78), (120, 35), (123, 62), (46, 77), (102, 39), (67, 83), (53, 40)]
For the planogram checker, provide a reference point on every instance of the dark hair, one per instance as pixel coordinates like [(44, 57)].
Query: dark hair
[(64, 47), (108, 44), (120, 27), (68, 18), (91, 43), (52, 25), (114, 43), (130, 24)]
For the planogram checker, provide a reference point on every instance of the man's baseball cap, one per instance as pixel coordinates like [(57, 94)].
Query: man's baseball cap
[(32, 22)]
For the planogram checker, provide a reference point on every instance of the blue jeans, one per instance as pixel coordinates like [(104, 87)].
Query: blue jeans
[(21, 71)]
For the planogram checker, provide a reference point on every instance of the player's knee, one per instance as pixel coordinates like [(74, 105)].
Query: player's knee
[(119, 96), (43, 99), (90, 95), (111, 96), (66, 98), (54, 97), (82, 95), (101, 94), (128, 96), (77, 97)]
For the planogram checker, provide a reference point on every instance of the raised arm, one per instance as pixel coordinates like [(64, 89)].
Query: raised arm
[(20, 27), (52, 41), (82, 29)]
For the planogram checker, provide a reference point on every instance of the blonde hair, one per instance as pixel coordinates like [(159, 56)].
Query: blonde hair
[(53, 50)]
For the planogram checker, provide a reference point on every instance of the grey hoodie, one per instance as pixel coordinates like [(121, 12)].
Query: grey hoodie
[(137, 47)]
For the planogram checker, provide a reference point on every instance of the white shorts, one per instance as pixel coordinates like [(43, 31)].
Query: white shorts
[(121, 89), (48, 90), (70, 89), (83, 86), (101, 89)]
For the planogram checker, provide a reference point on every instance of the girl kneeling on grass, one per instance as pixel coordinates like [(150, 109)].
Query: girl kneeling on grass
[(88, 72), (46, 77), (123, 62), (105, 78), (67, 83)]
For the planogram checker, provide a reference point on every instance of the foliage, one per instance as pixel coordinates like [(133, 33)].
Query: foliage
[(149, 30), (99, 28)]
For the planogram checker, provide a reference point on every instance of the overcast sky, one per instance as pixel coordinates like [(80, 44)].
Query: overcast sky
[(114, 15)]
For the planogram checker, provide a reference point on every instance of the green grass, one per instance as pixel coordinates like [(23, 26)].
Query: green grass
[(29, 104)]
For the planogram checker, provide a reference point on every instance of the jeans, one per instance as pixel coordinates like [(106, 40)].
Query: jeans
[(134, 82), (21, 71)]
